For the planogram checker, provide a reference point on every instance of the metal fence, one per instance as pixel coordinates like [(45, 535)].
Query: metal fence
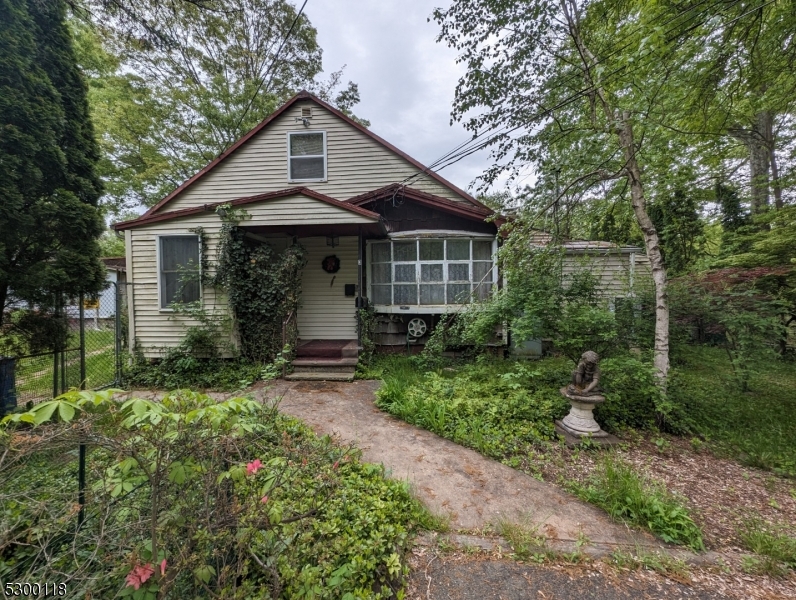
[(92, 358)]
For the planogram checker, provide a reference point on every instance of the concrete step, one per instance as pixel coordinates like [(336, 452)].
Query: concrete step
[(323, 369), (325, 362), (321, 376)]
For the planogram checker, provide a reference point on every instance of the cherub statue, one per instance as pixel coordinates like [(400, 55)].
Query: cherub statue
[(586, 377)]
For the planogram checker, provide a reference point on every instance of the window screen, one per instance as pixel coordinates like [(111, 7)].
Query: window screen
[(307, 156), (179, 269), (431, 272)]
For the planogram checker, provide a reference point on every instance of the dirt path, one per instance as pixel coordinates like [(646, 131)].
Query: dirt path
[(474, 491)]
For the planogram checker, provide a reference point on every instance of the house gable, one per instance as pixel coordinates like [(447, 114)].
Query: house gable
[(358, 161)]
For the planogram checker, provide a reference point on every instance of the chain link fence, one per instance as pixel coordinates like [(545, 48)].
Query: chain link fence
[(91, 359)]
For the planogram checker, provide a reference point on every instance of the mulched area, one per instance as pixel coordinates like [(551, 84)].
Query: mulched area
[(720, 493), (459, 575)]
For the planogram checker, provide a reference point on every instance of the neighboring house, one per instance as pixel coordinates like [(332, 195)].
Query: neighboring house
[(99, 312), (409, 243)]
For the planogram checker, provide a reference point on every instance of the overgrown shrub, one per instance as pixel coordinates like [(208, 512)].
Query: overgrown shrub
[(496, 407), (627, 496), (189, 497)]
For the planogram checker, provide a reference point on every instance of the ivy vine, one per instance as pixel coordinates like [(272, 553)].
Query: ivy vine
[(263, 288)]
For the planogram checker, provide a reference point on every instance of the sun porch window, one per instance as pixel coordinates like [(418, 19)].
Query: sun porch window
[(430, 274)]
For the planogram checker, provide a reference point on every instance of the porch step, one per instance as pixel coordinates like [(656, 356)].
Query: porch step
[(321, 376), (328, 349), (324, 365)]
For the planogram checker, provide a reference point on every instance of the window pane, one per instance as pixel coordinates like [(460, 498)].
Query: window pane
[(432, 249), (382, 294), (179, 287), (432, 294), (306, 168), (482, 291), (179, 252), (405, 273), (482, 250), (458, 249), (431, 273), (381, 273), (405, 294), (404, 251), (481, 271), (458, 293), (304, 144), (380, 252), (459, 272)]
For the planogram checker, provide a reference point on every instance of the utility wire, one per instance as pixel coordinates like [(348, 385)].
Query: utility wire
[(462, 151), (267, 71)]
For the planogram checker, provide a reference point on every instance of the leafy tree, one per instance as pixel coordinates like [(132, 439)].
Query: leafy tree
[(681, 230), (170, 102), (49, 189)]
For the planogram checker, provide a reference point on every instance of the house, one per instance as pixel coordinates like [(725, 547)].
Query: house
[(379, 229), (398, 236)]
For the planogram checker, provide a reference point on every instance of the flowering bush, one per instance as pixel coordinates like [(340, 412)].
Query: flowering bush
[(189, 497)]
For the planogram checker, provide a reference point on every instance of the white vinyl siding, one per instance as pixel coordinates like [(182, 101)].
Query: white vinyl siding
[(326, 313), (356, 164), (306, 156), (429, 274), (155, 329)]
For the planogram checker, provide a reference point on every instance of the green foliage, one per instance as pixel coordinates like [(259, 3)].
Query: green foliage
[(50, 222), (263, 288), (367, 329), (680, 229), (773, 543), (238, 501), (627, 496), (496, 407)]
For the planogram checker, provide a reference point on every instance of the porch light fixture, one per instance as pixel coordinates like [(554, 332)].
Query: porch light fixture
[(332, 240)]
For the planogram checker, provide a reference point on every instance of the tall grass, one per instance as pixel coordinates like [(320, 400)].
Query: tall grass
[(629, 497)]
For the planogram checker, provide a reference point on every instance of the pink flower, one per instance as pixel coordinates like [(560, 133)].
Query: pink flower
[(253, 466), (163, 567), (139, 575), (264, 499)]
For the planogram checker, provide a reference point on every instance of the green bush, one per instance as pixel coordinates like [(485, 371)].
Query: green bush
[(627, 496), (230, 499), (774, 543), (496, 407)]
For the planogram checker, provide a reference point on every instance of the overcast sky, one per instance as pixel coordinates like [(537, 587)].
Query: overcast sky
[(406, 79)]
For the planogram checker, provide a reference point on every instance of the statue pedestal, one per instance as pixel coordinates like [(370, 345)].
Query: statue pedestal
[(580, 420)]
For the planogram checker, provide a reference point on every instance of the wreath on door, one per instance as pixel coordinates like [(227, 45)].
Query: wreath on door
[(331, 264)]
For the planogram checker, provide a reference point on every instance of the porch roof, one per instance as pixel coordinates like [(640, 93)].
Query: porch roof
[(147, 219)]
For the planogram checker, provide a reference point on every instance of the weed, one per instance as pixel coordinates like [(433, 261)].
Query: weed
[(429, 521), (654, 561), (662, 444), (770, 542), (526, 543), (627, 496), (697, 445)]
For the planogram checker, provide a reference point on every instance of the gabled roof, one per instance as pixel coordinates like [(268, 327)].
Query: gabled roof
[(304, 95), (477, 212), (147, 218)]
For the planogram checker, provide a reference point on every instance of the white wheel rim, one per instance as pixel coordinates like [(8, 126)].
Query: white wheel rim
[(417, 327)]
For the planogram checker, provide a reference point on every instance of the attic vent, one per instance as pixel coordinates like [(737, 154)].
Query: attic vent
[(306, 112)]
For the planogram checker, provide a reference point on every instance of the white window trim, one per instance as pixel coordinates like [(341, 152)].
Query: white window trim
[(428, 308), (166, 309), (325, 156)]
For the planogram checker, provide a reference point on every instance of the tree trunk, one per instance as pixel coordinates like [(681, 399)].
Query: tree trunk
[(756, 140), (661, 351), (772, 159)]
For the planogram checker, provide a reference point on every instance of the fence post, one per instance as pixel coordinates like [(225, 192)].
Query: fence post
[(118, 336), (81, 469), (55, 353)]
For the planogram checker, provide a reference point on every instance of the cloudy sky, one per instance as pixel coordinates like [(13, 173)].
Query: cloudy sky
[(406, 79)]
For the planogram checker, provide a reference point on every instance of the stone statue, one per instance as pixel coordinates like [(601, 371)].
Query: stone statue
[(586, 377), (583, 394)]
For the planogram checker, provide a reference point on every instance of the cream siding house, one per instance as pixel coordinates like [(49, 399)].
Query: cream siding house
[(405, 240), (308, 174)]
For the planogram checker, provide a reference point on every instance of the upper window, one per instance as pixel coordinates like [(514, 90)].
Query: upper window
[(179, 269), (431, 272), (306, 156)]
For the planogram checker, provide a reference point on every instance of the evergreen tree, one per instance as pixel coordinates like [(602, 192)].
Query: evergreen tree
[(49, 191)]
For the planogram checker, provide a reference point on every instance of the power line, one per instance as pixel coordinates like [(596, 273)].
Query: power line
[(461, 151), (267, 71)]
